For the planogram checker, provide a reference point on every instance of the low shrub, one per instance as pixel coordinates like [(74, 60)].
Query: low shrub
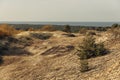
[(115, 25), (90, 49)]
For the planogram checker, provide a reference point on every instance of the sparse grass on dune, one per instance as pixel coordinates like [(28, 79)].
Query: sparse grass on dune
[(43, 54)]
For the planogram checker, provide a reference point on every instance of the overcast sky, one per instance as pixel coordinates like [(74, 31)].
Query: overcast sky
[(60, 10)]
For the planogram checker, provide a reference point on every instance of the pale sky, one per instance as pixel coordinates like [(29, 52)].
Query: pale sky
[(60, 10)]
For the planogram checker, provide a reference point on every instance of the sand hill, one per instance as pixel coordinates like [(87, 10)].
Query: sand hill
[(51, 56)]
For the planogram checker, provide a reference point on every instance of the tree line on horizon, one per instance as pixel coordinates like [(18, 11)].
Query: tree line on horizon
[(62, 27)]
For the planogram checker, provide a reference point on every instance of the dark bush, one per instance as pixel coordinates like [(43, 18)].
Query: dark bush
[(90, 49), (67, 29), (115, 25)]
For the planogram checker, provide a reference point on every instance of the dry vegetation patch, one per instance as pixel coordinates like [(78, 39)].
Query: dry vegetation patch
[(47, 28), (6, 30), (53, 57)]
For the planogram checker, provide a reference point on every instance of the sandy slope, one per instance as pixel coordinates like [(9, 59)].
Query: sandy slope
[(54, 59)]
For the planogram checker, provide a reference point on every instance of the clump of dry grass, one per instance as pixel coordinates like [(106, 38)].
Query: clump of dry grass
[(7, 30), (47, 28)]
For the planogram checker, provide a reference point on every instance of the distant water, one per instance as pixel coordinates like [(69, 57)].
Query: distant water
[(67, 23)]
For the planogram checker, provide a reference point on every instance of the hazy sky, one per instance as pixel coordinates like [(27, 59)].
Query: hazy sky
[(59, 10)]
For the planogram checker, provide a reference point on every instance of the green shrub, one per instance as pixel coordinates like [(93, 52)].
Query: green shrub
[(90, 49), (100, 49)]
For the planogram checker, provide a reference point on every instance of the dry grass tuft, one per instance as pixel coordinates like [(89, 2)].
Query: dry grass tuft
[(47, 28), (6, 30)]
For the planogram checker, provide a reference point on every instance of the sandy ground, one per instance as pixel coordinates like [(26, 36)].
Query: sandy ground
[(55, 59)]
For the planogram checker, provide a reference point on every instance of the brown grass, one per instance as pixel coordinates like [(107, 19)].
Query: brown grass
[(7, 30), (47, 28)]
